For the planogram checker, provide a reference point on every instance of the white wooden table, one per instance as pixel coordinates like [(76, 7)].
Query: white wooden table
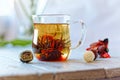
[(75, 68)]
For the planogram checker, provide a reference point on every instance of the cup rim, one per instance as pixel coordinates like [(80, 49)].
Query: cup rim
[(37, 15)]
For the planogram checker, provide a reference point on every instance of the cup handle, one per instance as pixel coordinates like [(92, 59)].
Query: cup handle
[(83, 31)]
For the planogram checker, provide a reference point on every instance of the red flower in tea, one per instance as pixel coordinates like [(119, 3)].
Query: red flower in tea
[(50, 48)]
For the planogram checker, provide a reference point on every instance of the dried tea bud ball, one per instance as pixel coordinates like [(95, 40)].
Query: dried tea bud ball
[(89, 56), (26, 56)]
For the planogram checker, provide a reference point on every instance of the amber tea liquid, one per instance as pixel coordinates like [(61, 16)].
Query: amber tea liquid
[(51, 42)]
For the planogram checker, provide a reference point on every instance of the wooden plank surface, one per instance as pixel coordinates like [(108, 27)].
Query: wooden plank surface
[(75, 68)]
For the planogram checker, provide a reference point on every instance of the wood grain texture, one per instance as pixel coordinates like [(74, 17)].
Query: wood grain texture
[(81, 75), (115, 72), (29, 77)]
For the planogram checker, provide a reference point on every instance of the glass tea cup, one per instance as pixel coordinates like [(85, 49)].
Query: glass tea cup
[(51, 38)]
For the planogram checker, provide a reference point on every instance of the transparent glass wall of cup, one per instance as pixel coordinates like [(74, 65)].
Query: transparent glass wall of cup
[(51, 39)]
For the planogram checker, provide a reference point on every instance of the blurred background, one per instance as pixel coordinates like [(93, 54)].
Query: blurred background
[(100, 16), (7, 19)]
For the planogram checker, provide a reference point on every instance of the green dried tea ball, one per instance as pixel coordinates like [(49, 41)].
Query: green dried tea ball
[(26, 56)]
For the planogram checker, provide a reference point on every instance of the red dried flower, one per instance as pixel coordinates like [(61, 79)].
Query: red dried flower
[(101, 48)]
